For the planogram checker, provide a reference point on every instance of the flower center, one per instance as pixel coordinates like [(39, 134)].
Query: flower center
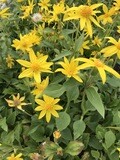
[(98, 63), (86, 12), (48, 107), (106, 15), (118, 46), (17, 102), (35, 67)]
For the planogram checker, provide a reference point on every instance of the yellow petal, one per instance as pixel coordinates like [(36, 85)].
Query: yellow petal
[(48, 116), (82, 23), (37, 77), (54, 113), (78, 78), (24, 63), (42, 114), (102, 74), (38, 108), (26, 73), (112, 71)]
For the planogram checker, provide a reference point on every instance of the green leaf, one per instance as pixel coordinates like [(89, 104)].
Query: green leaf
[(78, 128), (18, 130), (95, 154), (54, 90), (62, 54), (79, 42), (3, 124), (63, 121), (109, 139), (72, 93), (95, 99)]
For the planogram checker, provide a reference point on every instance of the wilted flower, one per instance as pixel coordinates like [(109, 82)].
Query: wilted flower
[(36, 17), (17, 102)]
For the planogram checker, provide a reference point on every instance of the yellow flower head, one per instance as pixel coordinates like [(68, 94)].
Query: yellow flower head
[(17, 102), (57, 134), (101, 67), (48, 107), (27, 10), (44, 4), (86, 14), (4, 13), (40, 87), (113, 49), (35, 67), (107, 16), (9, 61), (97, 41), (70, 69), (13, 157), (26, 41)]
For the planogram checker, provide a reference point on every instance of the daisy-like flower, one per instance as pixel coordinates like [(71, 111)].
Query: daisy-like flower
[(107, 16), (113, 49), (9, 61), (26, 41), (35, 67), (44, 5), (57, 9), (40, 87), (86, 14), (13, 157), (48, 107), (70, 69), (97, 41), (84, 46), (27, 10), (101, 67), (17, 101), (4, 13)]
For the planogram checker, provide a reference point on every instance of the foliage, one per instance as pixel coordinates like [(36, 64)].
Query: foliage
[(59, 80)]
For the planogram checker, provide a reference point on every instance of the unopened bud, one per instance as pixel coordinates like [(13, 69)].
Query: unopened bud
[(56, 134)]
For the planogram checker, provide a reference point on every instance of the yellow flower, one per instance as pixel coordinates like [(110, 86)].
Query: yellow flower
[(97, 41), (84, 46), (86, 14), (118, 29), (9, 61), (106, 17), (44, 4), (113, 49), (40, 87), (26, 41), (48, 107), (35, 67), (93, 62), (70, 69), (13, 157), (117, 4), (27, 10), (4, 13), (17, 102), (57, 9), (57, 134)]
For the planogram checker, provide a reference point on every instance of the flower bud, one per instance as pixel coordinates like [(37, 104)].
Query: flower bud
[(56, 134)]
